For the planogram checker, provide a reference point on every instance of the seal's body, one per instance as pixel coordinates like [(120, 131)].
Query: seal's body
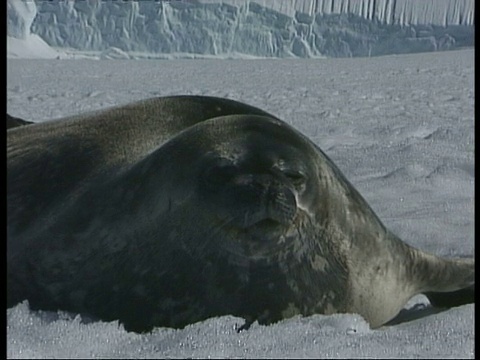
[(14, 122), (172, 210)]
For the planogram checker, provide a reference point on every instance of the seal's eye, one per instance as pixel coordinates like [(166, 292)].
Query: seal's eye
[(296, 177), (219, 174), (223, 174)]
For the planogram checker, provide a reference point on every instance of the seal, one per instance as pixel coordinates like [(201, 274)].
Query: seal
[(172, 210), (14, 122)]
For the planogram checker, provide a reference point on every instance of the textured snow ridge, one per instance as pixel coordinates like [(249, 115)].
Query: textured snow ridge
[(261, 28)]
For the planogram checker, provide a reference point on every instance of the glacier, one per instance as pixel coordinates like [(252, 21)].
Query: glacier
[(20, 18), (21, 42), (402, 12), (244, 28)]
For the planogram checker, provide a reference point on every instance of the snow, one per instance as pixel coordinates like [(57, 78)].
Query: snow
[(32, 47), (399, 127), (261, 28), (448, 335)]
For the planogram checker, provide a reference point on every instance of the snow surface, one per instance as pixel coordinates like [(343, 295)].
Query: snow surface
[(399, 127), (31, 47), (260, 28)]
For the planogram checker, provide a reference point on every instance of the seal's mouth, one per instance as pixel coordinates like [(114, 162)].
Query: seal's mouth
[(266, 229), (261, 240), (266, 225), (256, 200)]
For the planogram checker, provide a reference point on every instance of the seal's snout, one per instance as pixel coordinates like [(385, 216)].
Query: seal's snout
[(260, 197), (271, 202)]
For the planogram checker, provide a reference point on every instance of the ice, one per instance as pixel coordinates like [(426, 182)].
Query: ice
[(21, 43), (244, 28)]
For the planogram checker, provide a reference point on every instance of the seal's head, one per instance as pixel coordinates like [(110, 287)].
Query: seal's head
[(255, 183), (244, 199)]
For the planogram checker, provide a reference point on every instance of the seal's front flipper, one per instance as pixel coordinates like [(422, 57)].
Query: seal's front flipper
[(452, 298), (13, 122)]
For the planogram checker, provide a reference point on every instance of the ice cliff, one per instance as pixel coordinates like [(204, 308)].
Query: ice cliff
[(20, 41), (258, 28), (402, 12), (20, 18)]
